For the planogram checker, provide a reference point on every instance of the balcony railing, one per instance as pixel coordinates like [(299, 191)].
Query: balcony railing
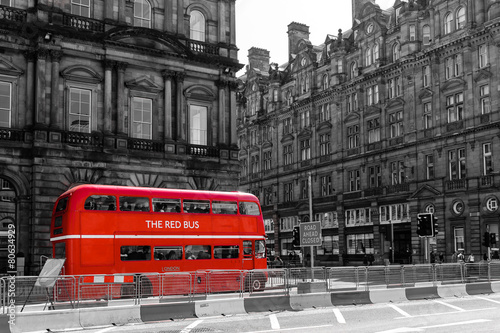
[(7, 134), (81, 139), (83, 23), (145, 145), (202, 47), (12, 14), (203, 151), (457, 184), (405, 187)]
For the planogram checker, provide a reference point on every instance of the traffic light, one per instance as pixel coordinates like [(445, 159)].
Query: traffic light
[(486, 239), (435, 228), (296, 236), (493, 239), (425, 224)]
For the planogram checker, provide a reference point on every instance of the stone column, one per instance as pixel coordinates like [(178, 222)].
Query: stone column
[(168, 16), (167, 79), (221, 119), (56, 113), (108, 105), (480, 11), (108, 10), (40, 88), (30, 90), (181, 112), (121, 11), (222, 22), (233, 114), (232, 31), (121, 119), (180, 17)]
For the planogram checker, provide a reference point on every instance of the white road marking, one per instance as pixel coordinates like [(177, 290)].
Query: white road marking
[(275, 325), (339, 316), (300, 329), (106, 329), (423, 328), (449, 305), (401, 311), (191, 326), (487, 299)]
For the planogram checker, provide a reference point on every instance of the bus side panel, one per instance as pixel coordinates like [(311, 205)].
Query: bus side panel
[(95, 251)]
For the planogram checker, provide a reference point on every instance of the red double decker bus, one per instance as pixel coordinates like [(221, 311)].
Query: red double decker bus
[(102, 229)]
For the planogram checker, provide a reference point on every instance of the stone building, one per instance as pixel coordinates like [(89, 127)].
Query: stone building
[(138, 93), (396, 116)]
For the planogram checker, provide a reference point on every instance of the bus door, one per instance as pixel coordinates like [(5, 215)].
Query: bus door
[(248, 257)]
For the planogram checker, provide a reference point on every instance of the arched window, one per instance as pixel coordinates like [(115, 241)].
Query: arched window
[(376, 52), (197, 26), (368, 56), (354, 70), (395, 52), (448, 23), (461, 19), (426, 35), (326, 81), (142, 14)]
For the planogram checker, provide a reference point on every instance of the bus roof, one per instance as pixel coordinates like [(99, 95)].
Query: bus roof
[(89, 189)]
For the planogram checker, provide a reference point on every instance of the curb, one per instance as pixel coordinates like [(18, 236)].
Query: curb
[(125, 314)]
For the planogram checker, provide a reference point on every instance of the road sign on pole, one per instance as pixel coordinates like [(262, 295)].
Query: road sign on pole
[(310, 234)]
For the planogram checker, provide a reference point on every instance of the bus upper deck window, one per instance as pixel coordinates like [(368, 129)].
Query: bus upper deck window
[(62, 204), (136, 204), (196, 206), (100, 202), (249, 208), (167, 205), (224, 207)]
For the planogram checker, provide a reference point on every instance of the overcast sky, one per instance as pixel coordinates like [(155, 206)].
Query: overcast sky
[(263, 23)]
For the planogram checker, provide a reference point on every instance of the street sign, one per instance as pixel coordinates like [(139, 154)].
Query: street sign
[(50, 272), (310, 234)]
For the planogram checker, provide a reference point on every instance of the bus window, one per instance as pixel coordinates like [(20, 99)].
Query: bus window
[(167, 205), (247, 248), (198, 252), (136, 204), (226, 252), (196, 206), (133, 252), (224, 207), (249, 208), (260, 249), (168, 253), (61, 204), (100, 202)]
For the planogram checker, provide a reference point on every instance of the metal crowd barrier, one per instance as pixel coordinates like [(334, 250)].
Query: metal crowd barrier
[(94, 290)]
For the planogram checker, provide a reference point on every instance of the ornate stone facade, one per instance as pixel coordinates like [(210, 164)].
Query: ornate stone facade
[(398, 115), (112, 93)]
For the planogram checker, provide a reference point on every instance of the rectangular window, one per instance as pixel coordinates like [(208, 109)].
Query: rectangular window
[(353, 136), (198, 120), (79, 7), (267, 160), (484, 93), (197, 252), (375, 176), (288, 192), (79, 110), (429, 162), (354, 180), (304, 189), (100, 202), (455, 107), (459, 239), (196, 206), (457, 164), (268, 196), (426, 76), (224, 207), (168, 253), (324, 114), (166, 205), (373, 130), (287, 126), (305, 149), (287, 155), (226, 252), (135, 252), (5, 104), (427, 115), (483, 55), (396, 124), (412, 32), (397, 173), (324, 144), (304, 119), (326, 186), (487, 159), (360, 243), (136, 204), (142, 109)]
